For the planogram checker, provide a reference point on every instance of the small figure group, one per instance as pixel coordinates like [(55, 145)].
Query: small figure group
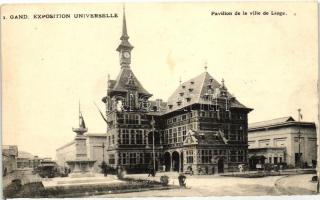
[(182, 180), (151, 172)]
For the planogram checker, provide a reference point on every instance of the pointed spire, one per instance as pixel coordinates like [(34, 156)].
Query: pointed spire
[(125, 44), (124, 35)]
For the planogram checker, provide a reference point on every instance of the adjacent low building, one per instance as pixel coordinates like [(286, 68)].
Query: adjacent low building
[(95, 143), (27, 160), (281, 140)]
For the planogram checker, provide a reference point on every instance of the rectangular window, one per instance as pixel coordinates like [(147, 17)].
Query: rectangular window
[(124, 158), (174, 135), (166, 137), (189, 156), (184, 117), (132, 134), (125, 136), (179, 135), (133, 158), (205, 156), (170, 136), (111, 159), (112, 139), (140, 159), (184, 133), (132, 119), (139, 137)]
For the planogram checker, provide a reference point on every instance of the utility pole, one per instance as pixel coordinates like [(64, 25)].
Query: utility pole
[(299, 138), (102, 146), (103, 163), (154, 158)]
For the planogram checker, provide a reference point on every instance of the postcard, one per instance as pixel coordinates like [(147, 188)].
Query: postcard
[(159, 99)]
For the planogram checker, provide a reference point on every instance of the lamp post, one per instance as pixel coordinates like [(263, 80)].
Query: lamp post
[(103, 163), (154, 158)]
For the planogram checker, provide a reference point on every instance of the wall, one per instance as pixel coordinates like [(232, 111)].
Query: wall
[(287, 137)]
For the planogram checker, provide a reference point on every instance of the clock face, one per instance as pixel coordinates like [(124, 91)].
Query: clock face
[(126, 54)]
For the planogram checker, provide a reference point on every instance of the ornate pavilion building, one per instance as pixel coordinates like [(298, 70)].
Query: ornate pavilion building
[(201, 127)]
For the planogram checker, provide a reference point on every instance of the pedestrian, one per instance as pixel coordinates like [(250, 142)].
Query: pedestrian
[(150, 172), (182, 180)]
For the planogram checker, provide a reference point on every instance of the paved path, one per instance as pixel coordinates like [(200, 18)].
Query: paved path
[(296, 185), (201, 186)]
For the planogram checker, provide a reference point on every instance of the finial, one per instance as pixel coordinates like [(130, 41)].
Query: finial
[(222, 82), (205, 66), (299, 114), (108, 77), (180, 81)]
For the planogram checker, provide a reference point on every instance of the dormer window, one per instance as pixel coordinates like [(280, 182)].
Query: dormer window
[(179, 103), (192, 82), (188, 99), (183, 86), (181, 93), (223, 93), (170, 106), (190, 89)]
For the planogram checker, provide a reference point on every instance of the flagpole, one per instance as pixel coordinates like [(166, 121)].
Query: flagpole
[(79, 114), (299, 137)]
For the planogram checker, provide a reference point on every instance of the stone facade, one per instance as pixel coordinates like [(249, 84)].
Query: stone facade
[(284, 133), (201, 127)]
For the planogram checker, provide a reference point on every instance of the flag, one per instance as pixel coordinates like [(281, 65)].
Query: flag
[(101, 113), (82, 123), (225, 140)]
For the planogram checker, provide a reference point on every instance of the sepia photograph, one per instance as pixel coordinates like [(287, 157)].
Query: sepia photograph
[(179, 99)]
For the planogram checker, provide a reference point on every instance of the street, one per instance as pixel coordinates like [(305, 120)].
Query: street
[(231, 186)]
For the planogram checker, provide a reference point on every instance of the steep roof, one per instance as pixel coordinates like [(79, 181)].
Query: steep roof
[(194, 89), (122, 82), (271, 122), (205, 137)]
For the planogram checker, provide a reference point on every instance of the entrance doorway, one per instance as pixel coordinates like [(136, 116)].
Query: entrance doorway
[(167, 161), (175, 161), (220, 165)]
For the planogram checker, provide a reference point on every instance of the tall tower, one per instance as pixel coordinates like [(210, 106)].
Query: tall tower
[(126, 103), (124, 47)]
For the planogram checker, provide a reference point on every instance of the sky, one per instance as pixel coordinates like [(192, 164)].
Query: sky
[(48, 65)]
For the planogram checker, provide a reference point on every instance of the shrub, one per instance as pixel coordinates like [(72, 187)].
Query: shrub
[(164, 180)]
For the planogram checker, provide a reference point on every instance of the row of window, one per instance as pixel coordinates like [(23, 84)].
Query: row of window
[(133, 136), (136, 158), (207, 156), (209, 114), (275, 160), (129, 119), (175, 135)]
